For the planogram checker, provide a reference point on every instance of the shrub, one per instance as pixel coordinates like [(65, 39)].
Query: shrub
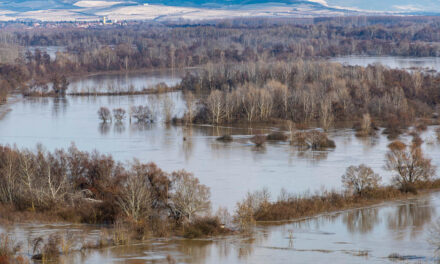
[(315, 140), (247, 209), (366, 127), (421, 126), (203, 227), (392, 127), (8, 250), (277, 136), (258, 140), (225, 138), (244, 216), (46, 250)]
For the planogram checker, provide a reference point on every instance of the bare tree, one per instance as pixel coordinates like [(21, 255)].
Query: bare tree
[(409, 164), (9, 176), (245, 212), (52, 185), (142, 113), (249, 101), (119, 114), (326, 114), (135, 198), (359, 179), (231, 104), (216, 107), (27, 175), (265, 104), (189, 196), (280, 97), (104, 114)]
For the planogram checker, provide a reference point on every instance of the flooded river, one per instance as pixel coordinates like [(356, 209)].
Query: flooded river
[(134, 81), (368, 235), (230, 170), (409, 63)]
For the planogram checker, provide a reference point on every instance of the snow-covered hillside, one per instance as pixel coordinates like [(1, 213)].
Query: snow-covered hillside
[(56, 10)]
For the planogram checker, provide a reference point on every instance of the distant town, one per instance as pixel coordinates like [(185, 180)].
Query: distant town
[(79, 23)]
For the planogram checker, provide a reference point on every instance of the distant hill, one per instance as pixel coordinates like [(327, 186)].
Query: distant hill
[(205, 9)]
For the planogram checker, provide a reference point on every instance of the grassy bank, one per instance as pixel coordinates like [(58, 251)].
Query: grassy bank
[(294, 207)]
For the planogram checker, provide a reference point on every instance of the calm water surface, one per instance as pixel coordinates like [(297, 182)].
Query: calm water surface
[(230, 170), (410, 63), (134, 81)]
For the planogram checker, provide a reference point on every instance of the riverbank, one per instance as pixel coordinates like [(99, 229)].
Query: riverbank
[(282, 212)]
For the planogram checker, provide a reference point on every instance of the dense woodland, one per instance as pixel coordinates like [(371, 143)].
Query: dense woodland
[(305, 91), (150, 45)]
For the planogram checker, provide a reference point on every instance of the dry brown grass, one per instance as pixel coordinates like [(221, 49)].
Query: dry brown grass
[(205, 227), (314, 140), (291, 207)]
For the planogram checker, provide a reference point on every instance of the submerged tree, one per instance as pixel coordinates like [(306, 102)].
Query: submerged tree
[(409, 164), (60, 84), (119, 114), (104, 114), (142, 114)]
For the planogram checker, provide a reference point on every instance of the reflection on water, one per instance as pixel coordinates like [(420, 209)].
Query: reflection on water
[(126, 82), (412, 217), (312, 156), (229, 169), (361, 221), (119, 127), (104, 128)]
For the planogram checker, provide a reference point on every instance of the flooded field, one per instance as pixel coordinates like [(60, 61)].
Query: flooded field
[(368, 235), (428, 63), (230, 170), (125, 82), (50, 50)]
